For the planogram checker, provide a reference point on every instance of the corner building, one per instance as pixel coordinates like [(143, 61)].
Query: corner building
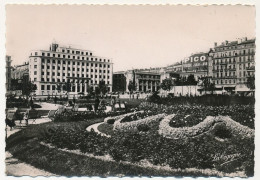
[(233, 63), (53, 68)]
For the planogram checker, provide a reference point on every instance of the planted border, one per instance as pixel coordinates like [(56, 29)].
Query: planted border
[(208, 124), (116, 118), (133, 126)]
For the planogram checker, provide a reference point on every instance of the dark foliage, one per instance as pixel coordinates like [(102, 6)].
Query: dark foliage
[(143, 127)]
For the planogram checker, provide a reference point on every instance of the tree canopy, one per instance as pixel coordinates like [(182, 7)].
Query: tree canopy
[(167, 84), (251, 82), (102, 87), (131, 86)]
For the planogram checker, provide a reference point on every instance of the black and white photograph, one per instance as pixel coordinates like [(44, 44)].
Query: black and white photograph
[(129, 90)]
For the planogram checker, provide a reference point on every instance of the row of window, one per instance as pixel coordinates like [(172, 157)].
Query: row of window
[(59, 80), (73, 63), (225, 81), (233, 60), (149, 76), (226, 74), (234, 53), (78, 69), (240, 66), (234, 47), (78, 75), (240, 80), (73, 87), (54, 92), (75, 57), (233, 74), (76, 52)]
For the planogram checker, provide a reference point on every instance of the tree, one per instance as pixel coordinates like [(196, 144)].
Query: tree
[(102, 87), (90, 90), (131, 87), (191, 80), (58, 87), (67, 87), (167, 84), (97, 90), (251, 82), (208, 85), (16, 84), (28, 88)]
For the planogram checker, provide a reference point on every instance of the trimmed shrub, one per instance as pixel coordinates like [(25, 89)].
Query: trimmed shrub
[(111, 121), (223, 133), (143, 128)]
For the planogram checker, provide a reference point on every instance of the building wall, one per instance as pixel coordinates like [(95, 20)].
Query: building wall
[(19, 71), (199, 64), (145, 80), (54, 67)]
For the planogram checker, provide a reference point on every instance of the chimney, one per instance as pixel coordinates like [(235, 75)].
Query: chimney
[(54, 47), (215, 44), (244, 39), (226, 42), (239, 40)]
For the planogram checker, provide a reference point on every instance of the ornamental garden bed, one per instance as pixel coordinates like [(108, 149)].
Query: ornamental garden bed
[(138, 124), (204, 152), (221, 126)]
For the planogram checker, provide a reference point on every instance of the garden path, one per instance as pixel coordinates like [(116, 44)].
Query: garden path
[(47, 106), (14, 167), (95, 128)]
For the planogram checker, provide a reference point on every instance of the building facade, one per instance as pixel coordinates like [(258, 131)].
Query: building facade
[(145, 80), (19, 70), (233, 63), (199, 64), (8, 69), (52, 69)]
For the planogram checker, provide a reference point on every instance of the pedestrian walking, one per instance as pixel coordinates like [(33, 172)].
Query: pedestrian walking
[(112, 103)]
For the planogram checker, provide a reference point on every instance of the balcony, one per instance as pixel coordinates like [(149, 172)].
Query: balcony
[(251, 68)]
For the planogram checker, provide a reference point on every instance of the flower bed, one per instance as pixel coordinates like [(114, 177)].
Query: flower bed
[(243, 114), (184, 120), (133, 125), (116, 118), (208, 124), (200, 152), (236, 128), (68, 116)]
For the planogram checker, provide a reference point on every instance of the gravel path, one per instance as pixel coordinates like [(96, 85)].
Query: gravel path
[(95, 128), (15, 167)]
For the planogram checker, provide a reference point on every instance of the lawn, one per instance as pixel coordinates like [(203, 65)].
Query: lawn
[(106, 128)]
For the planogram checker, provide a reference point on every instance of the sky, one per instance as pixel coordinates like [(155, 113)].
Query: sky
[(132, 36)]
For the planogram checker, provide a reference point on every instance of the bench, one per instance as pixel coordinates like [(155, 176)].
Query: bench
[(33, 114)]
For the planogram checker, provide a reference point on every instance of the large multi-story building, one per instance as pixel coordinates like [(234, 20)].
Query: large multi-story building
[(53, 68), (8, 67), (233, 63)]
